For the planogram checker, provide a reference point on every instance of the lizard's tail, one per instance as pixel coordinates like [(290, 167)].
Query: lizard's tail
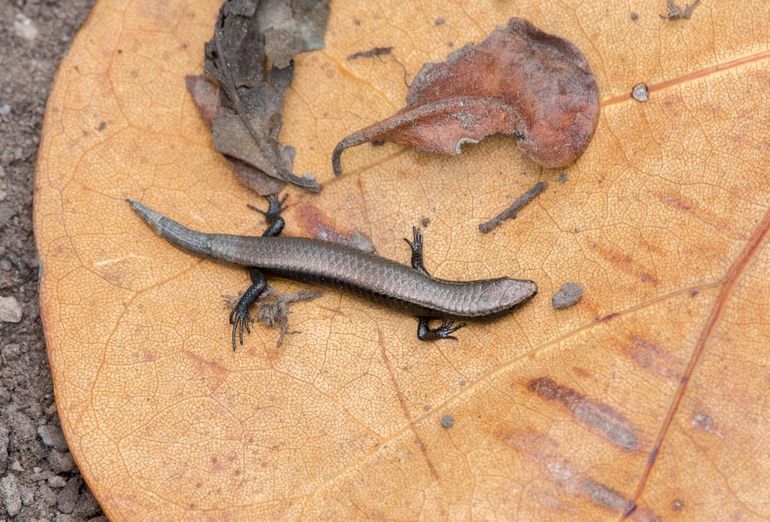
[(179, 235)]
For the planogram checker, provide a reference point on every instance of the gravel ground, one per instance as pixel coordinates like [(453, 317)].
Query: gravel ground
[(38, 480)]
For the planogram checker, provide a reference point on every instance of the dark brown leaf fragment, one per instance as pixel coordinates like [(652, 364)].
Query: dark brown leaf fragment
[(249, 57), (520, 81), (374, 51), (511, 212), (205, 95), (675, 12)]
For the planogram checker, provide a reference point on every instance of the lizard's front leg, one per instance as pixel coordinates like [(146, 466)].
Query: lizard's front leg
[(239, 317)]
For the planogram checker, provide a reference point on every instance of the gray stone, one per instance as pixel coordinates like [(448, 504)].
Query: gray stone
[(52, 436), (87, 505), (21, 426), (61, 462), (9, 491), (56, 481), (4, 441), (46, 496), (67, 498), (640, 93), (10, 310), (24, 28), (568, 295), (27, 495)]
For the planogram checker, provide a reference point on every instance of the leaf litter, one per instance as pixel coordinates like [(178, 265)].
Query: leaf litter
[(248, 66), (519, 81)]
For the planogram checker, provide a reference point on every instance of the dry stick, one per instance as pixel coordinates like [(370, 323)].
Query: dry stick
[(510, 212)]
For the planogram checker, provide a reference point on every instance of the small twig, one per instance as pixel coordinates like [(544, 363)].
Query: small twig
[(510, 212), (374, 51)]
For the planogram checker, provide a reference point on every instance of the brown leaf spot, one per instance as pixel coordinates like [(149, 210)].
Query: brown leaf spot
[(590, 412), (607, 318), (624, 262), (213, 373), (652, 357), (520, 81), (543, 451), (319, 226), (704, 422)]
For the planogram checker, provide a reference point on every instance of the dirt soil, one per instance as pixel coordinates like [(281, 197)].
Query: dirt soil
[(38, 480)]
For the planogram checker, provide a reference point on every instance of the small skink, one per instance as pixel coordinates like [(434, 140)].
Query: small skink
[(409, 288)]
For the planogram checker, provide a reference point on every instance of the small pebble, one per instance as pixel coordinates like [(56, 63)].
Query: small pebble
[(640, 92), (10, 310), (447, 421), (4, 109), (634, 16), (439, 21), (27, 495), (56, 481), (61, 462), (4, 441), (568, 295), (46, 496), (5, 265), (9, 491), (16, 466), (87, 505), (67, 498), (24, 27), (52, 436)]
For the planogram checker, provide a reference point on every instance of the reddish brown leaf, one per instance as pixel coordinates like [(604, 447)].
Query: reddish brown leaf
[(519, 81)]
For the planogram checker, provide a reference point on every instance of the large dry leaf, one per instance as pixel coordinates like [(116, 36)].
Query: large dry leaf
[(647, 398)]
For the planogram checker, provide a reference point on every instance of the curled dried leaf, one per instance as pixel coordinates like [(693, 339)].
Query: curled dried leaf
[(249, 57), (520, 81)]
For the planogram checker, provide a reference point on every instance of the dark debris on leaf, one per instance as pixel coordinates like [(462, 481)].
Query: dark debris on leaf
[(512, 211), (676, 12), (249, 59), (568, 295), (374, 51)]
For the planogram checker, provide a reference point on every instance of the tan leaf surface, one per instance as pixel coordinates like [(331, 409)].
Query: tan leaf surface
[(649, 397)]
